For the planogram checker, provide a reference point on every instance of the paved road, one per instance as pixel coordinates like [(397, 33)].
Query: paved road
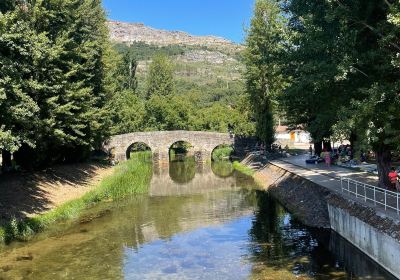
[(329, 177), (333, 170)]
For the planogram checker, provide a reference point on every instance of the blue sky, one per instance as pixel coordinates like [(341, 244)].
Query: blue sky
[(225, 18)]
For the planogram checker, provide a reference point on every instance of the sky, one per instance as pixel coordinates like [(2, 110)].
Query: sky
[(224, 18)]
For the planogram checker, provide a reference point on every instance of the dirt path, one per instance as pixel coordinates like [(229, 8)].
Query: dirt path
[(29, 194)]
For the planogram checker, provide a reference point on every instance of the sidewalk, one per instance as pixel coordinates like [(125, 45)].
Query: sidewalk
[(329, 177), (334, 170)]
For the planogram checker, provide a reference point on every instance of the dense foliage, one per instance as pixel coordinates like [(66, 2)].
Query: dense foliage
[(64, 88), (340, 65), (264, 81), (52, 80), (173, 95)]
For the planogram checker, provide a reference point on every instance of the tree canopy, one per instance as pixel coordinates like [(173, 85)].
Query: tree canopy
[(339, 66)]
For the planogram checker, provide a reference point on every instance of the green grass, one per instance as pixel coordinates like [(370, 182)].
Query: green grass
[(243, 168), (222, 153), (129, 178)]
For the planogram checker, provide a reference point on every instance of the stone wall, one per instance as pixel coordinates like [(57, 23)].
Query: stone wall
[(160, 142)]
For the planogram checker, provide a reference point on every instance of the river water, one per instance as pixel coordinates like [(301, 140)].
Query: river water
[(197, 222)]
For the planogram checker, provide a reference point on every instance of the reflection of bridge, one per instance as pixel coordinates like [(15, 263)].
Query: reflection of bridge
[(159, 142), (203, 181)]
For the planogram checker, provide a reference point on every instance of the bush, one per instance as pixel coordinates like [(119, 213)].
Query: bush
[(222, 153)]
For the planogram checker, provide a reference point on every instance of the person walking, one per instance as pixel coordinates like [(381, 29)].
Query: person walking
[(310, 150), (327, 157), (393, 178)]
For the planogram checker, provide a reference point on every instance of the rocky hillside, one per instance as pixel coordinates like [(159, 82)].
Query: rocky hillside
[(123, 32), (208, 67)]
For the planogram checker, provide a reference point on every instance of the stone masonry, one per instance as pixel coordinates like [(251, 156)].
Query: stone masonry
[(160, 142)]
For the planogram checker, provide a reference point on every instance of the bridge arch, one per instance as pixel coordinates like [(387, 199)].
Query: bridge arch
[(136, 146), (227, 146), (179, 148), (160, 141)]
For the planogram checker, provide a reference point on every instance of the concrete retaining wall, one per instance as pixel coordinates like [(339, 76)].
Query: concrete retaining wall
[(374, 233), (382, 248)]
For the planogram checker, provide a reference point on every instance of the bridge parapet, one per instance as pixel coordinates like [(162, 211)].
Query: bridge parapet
[(160, 142)]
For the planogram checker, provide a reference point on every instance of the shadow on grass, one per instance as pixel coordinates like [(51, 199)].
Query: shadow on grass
[(28, 193)]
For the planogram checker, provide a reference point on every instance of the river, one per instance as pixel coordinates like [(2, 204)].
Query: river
[(196, 222)]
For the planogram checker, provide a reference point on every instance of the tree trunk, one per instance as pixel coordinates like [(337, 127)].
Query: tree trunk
[(327, 146), (6, 158), (353, 139), (318, 148), (383, 159)]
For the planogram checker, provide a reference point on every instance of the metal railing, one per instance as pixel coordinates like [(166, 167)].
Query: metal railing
[(379, 196)]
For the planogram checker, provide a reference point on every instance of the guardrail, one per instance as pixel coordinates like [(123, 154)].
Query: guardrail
[(379, 196)]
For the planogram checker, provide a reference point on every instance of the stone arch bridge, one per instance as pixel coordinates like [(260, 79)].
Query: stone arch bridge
[(203, 143)]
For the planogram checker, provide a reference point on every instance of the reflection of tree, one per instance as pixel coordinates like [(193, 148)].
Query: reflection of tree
[(265, 234), (182, 172), (280, 243), (222, 168)]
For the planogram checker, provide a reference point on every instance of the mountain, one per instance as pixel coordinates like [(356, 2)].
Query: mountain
[(123, 32), (208, 68)]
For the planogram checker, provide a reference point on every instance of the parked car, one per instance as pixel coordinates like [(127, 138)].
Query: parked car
[(314, 160)]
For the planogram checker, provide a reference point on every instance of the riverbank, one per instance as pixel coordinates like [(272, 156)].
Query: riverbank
[(131, 177), (304, 199), (33, 193), (317, 200)]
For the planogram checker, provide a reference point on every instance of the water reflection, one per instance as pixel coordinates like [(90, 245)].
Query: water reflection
[(182, 169), (211, 227), (222, 168)]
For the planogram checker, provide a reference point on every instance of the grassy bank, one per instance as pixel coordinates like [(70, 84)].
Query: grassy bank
[(243, 168), (131, 177)]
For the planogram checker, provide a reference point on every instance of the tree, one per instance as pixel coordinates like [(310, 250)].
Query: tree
[(375, 77), (312, 62), (53, 61), (264, 81), (20, 48), (160, 79), (344, 77)]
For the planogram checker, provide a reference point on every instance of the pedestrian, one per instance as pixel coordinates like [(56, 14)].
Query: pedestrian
[(310, 150), (393, 178), (327, 157)]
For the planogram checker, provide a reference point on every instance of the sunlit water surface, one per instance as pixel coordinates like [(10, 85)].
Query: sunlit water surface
[(198, 222)]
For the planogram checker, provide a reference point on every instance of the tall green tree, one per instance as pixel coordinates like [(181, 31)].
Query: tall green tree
[(312, 63), (344, 77), (61, 52), (160, 78), (265, 41), (374, 76), (20, 49)]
